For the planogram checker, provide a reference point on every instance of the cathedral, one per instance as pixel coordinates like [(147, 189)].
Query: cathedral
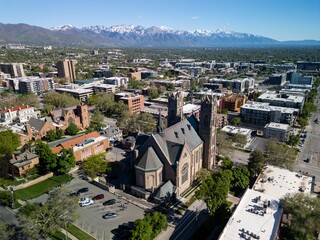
[(167, 162)]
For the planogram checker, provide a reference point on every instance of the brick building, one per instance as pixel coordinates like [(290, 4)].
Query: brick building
[(84, 146), (19, 165), (135, 102), (232, 102)]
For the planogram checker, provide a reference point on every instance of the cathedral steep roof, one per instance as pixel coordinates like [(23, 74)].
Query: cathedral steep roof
[(149, 161)]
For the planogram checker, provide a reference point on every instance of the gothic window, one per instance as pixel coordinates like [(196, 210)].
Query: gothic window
[(184, 173), (151, 180)]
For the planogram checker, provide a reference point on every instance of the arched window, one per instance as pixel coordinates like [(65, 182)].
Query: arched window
[(184, 173), (151, 180)]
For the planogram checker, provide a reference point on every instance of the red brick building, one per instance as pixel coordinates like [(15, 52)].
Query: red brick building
[(134, 102), (232, 102)]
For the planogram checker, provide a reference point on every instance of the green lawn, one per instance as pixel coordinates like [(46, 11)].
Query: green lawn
[(78, 233), (58, 236), (41, 188)]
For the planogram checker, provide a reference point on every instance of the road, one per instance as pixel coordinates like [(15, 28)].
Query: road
[(191, 220), (311, 147)]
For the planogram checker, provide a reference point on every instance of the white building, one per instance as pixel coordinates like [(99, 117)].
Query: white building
[(118, 81), (258, 214), (232, 130), (282, 100), (19, 113), (277, 130)]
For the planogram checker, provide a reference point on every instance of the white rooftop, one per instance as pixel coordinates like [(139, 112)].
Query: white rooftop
[(277, 182), (250, 218), (94, 141), (276, 97), (77, 90), (281, 126), (189, 108), (236, 130), (262, 106)]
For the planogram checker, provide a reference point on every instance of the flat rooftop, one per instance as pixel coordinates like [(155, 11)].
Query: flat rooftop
[(94, 141), (262, 106), (253, 218), (189, 108), (281, 126), (277, 182), (236, 130), (77, 90), (276, 97)]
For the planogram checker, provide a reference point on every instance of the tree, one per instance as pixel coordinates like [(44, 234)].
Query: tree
[(256, 162), (47, 160), (59, 100), (59, 133), (141, 231), (6, 232), (5, 198), (236, 121), (240, 177), (72, 129), (96, 121), (96, 165), (239, 138), (227, 164), (303, 122), (293, 140), (224, 143), (143, 122), (279, 154), (9, 141), (41, 220), (51, 135), (157, 221), (214, 190), (28, 99), (65, 161), (303, 217)]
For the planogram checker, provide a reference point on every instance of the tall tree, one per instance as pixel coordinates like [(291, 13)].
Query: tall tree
[(96, 121), (303, 213), (241, 176), (72, 129), (158, 222), (224, 143), (47, 160), (141, 231), (41, 220), (59, 100), (256, 162), (96, 165), (9, 141), (6, 232), (227, 164), (28, 99), (65, 161)]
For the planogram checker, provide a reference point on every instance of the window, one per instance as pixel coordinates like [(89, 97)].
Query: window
[(184, 173)]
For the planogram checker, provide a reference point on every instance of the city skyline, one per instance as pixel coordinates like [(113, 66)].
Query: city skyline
[(280, 20)]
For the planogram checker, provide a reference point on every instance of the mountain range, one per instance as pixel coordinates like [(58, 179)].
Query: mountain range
[(134, 36)]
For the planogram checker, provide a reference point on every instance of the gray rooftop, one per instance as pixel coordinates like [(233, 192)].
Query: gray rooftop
[(164, 191), (37, 124), (149, 161)]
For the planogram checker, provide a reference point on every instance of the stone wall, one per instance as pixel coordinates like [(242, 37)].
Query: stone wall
[(33, 182)]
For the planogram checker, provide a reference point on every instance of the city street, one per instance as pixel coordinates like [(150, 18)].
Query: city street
[(311, 148)]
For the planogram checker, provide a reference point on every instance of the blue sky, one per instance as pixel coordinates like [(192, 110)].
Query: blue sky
[(278, 19)]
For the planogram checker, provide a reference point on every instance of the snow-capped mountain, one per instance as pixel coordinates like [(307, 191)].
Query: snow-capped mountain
[(130, 36)]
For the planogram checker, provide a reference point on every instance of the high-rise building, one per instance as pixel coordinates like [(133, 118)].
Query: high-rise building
[(28, 85), (14, 69), (66, 69)]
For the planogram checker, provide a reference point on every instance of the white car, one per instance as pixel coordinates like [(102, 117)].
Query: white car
[(82, 200), (86, 203)]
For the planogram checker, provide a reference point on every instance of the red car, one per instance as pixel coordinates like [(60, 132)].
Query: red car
[(99, 196)]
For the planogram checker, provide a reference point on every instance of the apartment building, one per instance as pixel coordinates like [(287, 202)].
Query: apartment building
[(19, 165), (298, 78), (34, 85), (117, 81), (232, 102), (14, 69), (236, 85), (277, 79), (19, 114), (282, 100), (84, 146), (277, 130), (66, 69), (134, 102), (259, 114)]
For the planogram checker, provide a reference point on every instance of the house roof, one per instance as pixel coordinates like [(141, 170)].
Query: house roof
[(23, 159), (16, 108), (73, 142), (37, 124), (149, 161), (174, 150), (164, 191)]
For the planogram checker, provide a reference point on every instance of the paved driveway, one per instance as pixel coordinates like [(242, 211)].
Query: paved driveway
[(91, 216)]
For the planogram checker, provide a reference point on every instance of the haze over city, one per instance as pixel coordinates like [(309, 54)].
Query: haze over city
[(281, 20)]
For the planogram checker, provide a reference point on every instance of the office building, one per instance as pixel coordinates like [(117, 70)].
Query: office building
[(66, 69), (308, 66), (29, 85), (148, 74), (84, 146), (102, 72), (277, 79), (282, 100), (14, 69), (117, 81), (258, 215), (236, 85), (277, 130), (134, 102), (298, 78), (259, 114), (232, 102)]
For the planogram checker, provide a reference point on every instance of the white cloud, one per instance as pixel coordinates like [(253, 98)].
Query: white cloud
[(195, 18)]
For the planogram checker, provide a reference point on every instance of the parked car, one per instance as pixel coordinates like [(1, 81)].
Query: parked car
[(83, 190), (87, 202), (109, 215), (97, 197), (109, 202)]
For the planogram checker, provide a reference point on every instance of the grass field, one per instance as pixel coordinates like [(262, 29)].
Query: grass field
[(41, 188), (78, 233), (58, 236)]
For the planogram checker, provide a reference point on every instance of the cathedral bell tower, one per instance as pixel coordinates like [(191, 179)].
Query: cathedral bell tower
[(175, 108), (207, 130)]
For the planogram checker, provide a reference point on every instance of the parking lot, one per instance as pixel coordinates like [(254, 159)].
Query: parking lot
[(91, 220)]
